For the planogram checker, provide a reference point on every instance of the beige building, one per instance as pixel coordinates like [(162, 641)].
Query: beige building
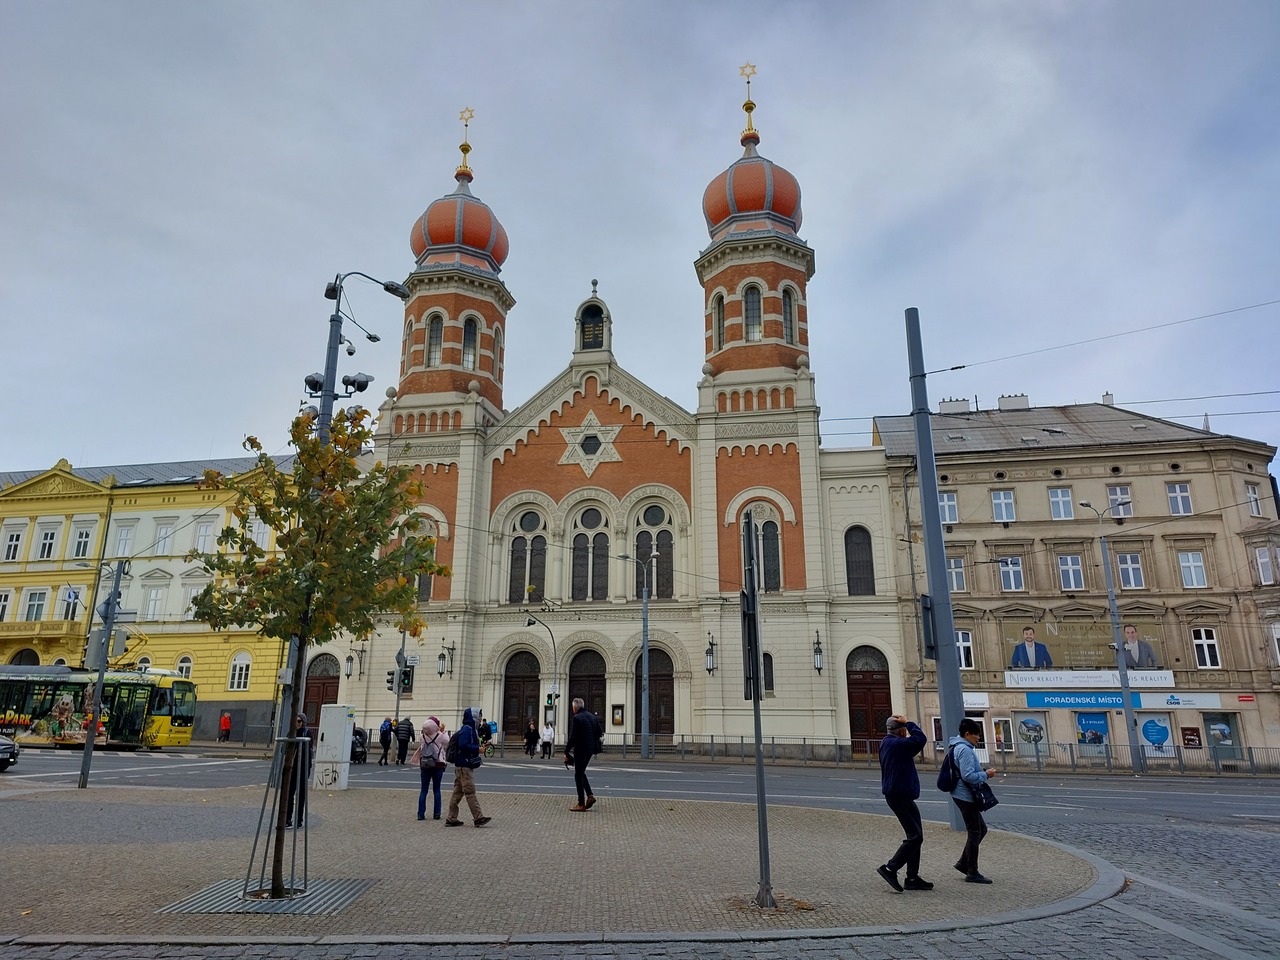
[(1025, 494)]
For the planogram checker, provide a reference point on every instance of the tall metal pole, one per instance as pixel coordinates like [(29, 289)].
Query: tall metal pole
[(644, 665), (330, 389), (753, 655), (400, 672), (950, 693), (108, 609)]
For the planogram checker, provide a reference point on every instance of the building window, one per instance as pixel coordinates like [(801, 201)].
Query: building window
[(47, 540), (1179, 499), (859, 565), (144, 664), (1130, 567), (751, 314), (1275, 639), (527, 581), (768, 672), (948, 506), (770, 556), (1205, 641), (718, 311), (154, 603), (1119, 502), (1002, 509), (591, 556), (655, 527), (1266, 575), (70, 598), (955, 575), (469, 345), (36, 600), (4, 604), (204, 536), (425, 583), (164, 539), (1070, 572), (435, 340), (12, 545), (184, 667), (260, 533), (1191, 563), (1254, 499), (499, 357), (788, 318), (964, 647), (1011, 578), (1060, 504), (124, 541), (592, 328), (239, 679), (81, 548), (189, 594)]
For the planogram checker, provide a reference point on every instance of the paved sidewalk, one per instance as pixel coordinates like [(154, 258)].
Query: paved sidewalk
[(96, 865)]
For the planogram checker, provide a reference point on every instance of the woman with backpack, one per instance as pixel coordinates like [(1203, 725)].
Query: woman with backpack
[(384, 741), (430, 760), (970, 772)]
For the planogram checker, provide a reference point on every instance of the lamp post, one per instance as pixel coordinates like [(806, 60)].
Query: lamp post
[(445, 660), (646, 746), (555, 671), (107, 609), (1117, 640), (711, 652)]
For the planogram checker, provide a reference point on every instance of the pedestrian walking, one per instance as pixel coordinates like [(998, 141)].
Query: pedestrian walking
[(531, 739), (224, 727), (548, 739), (300, 775), (384, 740), (971, 772), (404, 737), (582, 743), (464, 783), (429, 758), (900, 784)]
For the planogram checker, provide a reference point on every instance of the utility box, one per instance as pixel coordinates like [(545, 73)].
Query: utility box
[(333, 747)]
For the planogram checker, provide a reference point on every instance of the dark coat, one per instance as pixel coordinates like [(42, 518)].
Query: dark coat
[(584, 734), (898, 775)]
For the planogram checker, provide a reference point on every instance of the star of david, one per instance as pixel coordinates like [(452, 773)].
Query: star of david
[(466, 115), (590, 444), (747, 70)]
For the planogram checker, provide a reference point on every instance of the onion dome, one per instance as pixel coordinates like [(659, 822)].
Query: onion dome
[(458, 228)]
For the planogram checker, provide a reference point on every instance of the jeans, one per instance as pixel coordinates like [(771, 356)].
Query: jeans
[(908, 853), (977, 828), (431, 777)]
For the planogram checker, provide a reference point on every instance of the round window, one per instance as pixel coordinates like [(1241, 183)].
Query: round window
[(590, 518), (654, 516), (530, 522)]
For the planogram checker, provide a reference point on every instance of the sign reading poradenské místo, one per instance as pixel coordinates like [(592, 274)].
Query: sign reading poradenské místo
[(1049, 679), (1109, 700)]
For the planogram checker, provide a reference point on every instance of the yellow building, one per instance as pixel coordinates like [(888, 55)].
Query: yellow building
[(60, 527)]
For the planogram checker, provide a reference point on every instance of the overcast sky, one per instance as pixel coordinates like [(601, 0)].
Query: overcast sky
[(180, 180)]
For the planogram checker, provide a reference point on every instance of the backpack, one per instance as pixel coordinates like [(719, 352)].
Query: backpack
[(949, 772), (451, 749), (430, 756), (384, 731)]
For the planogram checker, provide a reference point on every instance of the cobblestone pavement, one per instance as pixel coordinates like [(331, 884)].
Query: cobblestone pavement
[(1193, 891)]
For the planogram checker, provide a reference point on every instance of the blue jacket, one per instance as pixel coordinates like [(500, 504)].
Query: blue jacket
[(970, 768), (468, 742), (898, 775)]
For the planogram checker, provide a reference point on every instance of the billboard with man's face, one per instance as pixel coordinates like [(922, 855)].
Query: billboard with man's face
[(1082, 645)]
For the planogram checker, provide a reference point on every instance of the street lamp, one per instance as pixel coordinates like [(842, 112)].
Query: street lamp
[(1117, 641), (817, 652), (646, 747), (445, 660), (711, 652), (555, 670)]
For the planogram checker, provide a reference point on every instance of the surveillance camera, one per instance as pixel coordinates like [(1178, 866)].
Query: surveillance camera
[(351, 349)]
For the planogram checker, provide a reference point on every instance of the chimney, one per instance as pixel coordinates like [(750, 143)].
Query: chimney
[(1109, 399), (954, 406), (1014, 401)]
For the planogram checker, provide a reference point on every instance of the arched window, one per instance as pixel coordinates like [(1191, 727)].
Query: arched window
[(435, 340), (655, 529), (719, 322), (771, 556), (527, 581), (469, 344), (144, 664), (590, 556), (239, 678), (859, 567), (184, 666), (751, 314), (768, 674), (498, 358), (592, 328), (788, 318)]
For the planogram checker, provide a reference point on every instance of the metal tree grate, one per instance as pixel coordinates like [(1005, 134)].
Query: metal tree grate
[(323, 897)]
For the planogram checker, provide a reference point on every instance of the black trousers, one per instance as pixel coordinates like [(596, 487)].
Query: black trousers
[(977, 828), (402, 750), (908, 815), (580, 777)]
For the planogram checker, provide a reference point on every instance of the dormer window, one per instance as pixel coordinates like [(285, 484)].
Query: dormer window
[(592, 326)]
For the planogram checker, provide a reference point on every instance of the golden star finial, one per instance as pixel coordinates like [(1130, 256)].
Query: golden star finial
[(466, 115), (747, 70)]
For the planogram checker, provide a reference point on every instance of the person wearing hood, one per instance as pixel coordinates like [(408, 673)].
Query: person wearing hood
[(464, 784), (429, 758), (971, 772)]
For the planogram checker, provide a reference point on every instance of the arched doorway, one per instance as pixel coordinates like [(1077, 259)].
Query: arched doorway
[(520, 694), (662, 696), (870, 702), (322, 686), (586, 680), (25, 658)]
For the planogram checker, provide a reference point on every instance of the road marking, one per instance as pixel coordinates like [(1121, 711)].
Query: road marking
[(1222, 949)]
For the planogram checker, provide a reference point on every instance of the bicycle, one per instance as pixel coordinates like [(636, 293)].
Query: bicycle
[(488, 750)]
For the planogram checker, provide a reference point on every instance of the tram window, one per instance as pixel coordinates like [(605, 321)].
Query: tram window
[(160, 706)]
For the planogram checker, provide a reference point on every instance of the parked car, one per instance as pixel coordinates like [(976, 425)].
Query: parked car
[(8, 753)]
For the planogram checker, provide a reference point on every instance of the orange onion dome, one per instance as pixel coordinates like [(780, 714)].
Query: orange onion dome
[(458, 228), (754, 194)]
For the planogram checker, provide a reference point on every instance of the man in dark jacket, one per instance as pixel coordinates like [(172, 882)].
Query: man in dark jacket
[(300, 774), (464, 783), (579, 747), (404, 736), (900, 785)]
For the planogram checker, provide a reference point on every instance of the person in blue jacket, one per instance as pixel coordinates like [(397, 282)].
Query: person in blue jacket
[(970, 772), (464, 784), (900, 785)]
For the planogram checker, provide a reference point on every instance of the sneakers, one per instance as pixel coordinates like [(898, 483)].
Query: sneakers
[(915, 883), (591, 802), (889, 876), (453, 823), (975, 878), (578, 808), (482, 821), (421, 817)]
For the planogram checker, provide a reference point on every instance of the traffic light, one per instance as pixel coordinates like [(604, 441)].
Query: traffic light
[(406, 679), (391, 680), (551, 699)]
